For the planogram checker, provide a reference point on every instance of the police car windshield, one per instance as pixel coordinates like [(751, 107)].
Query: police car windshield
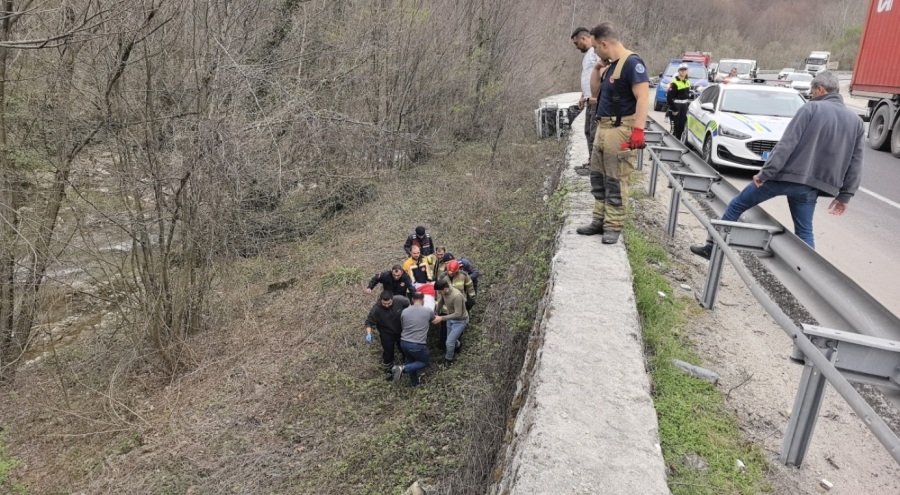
[(756, 102), (694, 72)]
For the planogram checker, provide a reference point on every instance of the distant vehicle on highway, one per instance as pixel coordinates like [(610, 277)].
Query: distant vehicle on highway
[(800, 82), (784, 72), (746, 68), (738, 125), (817, 62), (874, 78), (696, 73)]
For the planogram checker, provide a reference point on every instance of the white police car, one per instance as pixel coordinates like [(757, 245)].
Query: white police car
[(738, 125)]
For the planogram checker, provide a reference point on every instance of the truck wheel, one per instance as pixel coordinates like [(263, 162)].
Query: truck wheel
[(895, 139), (880, 129)]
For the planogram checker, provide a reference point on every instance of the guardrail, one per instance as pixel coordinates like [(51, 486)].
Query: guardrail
[(830, 296)]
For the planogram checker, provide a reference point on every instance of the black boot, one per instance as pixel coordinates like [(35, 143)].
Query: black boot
[(702, 250), (593, 228)]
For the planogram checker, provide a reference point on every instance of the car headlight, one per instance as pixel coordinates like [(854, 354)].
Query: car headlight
[(729, 132)]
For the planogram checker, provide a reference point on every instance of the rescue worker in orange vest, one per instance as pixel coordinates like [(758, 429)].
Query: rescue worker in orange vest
[(678, 98)]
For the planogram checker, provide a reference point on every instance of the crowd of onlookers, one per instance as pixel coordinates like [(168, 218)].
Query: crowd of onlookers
[(430, 287)]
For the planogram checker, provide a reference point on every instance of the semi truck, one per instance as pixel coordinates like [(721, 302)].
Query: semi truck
[(876, 76), (817, 62)]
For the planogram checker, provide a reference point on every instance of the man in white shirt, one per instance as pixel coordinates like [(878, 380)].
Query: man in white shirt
[(582, 39)]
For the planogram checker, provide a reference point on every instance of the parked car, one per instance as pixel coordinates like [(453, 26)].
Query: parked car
[(800, 81), (738, 125), (784, 72), (696, 73)]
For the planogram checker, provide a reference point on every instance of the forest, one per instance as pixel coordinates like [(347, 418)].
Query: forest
[(167, 168)]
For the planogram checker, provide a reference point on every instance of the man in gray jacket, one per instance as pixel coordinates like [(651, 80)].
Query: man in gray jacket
[(820, 153)]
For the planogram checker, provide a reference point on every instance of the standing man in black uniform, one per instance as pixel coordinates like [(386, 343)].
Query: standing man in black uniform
[(621, 82), (385, 317), (678, 97)]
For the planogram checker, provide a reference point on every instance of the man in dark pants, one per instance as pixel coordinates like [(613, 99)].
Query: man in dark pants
[(623, 86), (385, 316), (581, 37), (678, 97), (819, 154), (394, 280), (416, 321)]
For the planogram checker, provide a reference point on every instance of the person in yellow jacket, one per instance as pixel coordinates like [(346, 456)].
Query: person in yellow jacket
[(678, 97), (419, 267)]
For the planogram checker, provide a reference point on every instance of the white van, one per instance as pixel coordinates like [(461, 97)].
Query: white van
[(746, 68)]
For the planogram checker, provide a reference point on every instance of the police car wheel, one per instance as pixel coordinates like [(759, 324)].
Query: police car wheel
[(707, 151)]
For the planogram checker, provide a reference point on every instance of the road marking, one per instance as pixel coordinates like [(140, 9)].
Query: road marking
[(880, 197)]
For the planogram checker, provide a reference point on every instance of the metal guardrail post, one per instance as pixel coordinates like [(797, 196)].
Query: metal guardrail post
[(650, 138), (690, 182), (859, 358), (740, 237), (810, 394), (661, 154), (713, 276)]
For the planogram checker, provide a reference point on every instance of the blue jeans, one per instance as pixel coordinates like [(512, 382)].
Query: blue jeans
[(420, 357), (801, 201), (454, 331)]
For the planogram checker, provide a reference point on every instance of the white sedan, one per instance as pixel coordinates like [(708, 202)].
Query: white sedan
[(801, 82), (738, 125)]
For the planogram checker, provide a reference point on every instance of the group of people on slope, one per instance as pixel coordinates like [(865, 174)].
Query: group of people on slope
[(430, 287), (819, 154)]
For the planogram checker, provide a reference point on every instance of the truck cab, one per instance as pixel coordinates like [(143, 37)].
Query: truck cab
[(817, 62)]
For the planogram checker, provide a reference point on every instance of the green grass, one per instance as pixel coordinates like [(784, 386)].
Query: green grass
[(691, 412), (7, 464)]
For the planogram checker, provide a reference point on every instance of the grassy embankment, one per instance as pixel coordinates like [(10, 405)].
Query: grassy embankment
[(692, 416), (285, 396)]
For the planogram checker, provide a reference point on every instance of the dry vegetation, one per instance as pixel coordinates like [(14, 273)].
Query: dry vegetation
[(163, 163)]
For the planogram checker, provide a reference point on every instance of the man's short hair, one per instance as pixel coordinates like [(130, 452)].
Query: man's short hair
[(417, 296), (605, 31), (386, 295), (440, 284), (396, 268), (580, 31), (827, 81)]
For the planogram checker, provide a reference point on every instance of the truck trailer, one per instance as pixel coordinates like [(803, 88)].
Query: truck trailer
[(876, 76)]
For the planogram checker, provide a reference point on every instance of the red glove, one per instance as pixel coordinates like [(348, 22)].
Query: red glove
[(636, 141)]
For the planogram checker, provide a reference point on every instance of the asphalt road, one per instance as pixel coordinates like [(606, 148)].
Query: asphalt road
[(862, 242)]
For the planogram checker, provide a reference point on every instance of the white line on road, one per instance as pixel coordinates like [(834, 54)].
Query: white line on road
[(880, 197)]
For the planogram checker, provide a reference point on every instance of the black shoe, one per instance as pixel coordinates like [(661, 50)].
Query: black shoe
[(702, 250), (448, 363), (611, 236), (593, 228)]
